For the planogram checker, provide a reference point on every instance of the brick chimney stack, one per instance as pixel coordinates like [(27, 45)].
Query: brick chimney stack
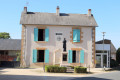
[(89, 12), (57, 11), (25, 10)]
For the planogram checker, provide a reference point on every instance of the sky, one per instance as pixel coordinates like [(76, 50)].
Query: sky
[(106, 13)]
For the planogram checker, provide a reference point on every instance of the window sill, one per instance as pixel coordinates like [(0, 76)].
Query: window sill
[(76, 42), (40, 62), (40, 41)]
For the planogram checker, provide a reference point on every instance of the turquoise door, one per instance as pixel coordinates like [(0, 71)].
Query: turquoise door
[(46, 56), (82, 56), (70, 56), (34, 56), (35, 34)]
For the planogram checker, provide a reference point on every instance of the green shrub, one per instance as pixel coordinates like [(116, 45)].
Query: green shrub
[(18, 56), (80, 69), (62, 69), (113, 63), (47, 69), (51, 68), (55, 69), (72, 67)]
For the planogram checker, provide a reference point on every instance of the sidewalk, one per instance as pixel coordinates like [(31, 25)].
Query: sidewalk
[(40, 72)]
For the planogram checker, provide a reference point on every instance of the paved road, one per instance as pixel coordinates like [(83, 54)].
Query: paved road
[(105, 76)]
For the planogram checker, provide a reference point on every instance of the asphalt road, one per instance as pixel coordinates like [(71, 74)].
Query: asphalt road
[(104, 76)]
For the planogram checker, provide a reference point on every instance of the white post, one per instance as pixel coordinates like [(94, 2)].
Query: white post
[(103, 46), (101, 60), (54, 58), (107, 58), (61, 57)]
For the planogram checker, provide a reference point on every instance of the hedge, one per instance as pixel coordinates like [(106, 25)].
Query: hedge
[(79, 69), (55, 69)]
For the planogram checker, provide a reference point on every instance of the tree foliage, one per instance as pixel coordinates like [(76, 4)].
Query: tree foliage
[(118, 55), (4, 35)]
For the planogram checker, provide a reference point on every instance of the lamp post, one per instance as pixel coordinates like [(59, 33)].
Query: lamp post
[(103, 44)]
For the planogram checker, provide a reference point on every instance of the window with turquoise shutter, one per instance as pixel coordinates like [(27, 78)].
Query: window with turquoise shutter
[(47, 35), (46, 56), (70, 56), (35, 34), (34, 56), (76, 35), (41, 34), (82, 56)]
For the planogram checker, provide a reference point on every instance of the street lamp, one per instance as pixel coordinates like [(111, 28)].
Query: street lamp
[(103, 43)]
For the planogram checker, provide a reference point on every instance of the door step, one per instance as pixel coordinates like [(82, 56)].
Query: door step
[(69, 70), (64, 65)]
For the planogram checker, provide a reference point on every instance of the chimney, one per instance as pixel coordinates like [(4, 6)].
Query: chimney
[(57, 11), (25, 10), (89, 12)]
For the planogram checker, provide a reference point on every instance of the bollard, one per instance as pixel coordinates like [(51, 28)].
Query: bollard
[(44, 67), (89, 68), (104, 68)]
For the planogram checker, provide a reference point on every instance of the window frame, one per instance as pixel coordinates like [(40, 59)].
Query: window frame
[(80, 35), (63, 57), (44, 35)]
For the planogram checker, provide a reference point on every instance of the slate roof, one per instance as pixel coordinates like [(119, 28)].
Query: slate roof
[(106, 41), (53, 19), (10, 44)]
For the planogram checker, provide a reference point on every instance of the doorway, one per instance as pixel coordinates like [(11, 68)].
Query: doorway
[(74, 57), (101, 60), (40, 55)]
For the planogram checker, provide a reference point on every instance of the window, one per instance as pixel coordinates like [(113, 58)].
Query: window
[(101, 51), (41, 34), (40, 56), (64, 57), (76, 35), (3, 52), (74, 57)]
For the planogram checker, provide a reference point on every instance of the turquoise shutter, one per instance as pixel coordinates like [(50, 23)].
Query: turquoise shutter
[(46, 34), (78, 35), (34, 56), (70, 56), (46, 56), (82, 56), (35, 34), (74, 35)]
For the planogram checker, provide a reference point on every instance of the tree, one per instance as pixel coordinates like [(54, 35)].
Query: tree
[(4, 35), (118, 55)]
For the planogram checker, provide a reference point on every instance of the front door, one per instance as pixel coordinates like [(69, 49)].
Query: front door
[(98, 60), (101, 60), (74, 57)]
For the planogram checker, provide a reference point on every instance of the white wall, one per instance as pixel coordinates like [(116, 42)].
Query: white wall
[(100, 47), (53, 45)]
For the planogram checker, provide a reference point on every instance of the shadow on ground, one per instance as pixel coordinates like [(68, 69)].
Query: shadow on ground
[(25, 77), (2, 71), (114, 68)]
